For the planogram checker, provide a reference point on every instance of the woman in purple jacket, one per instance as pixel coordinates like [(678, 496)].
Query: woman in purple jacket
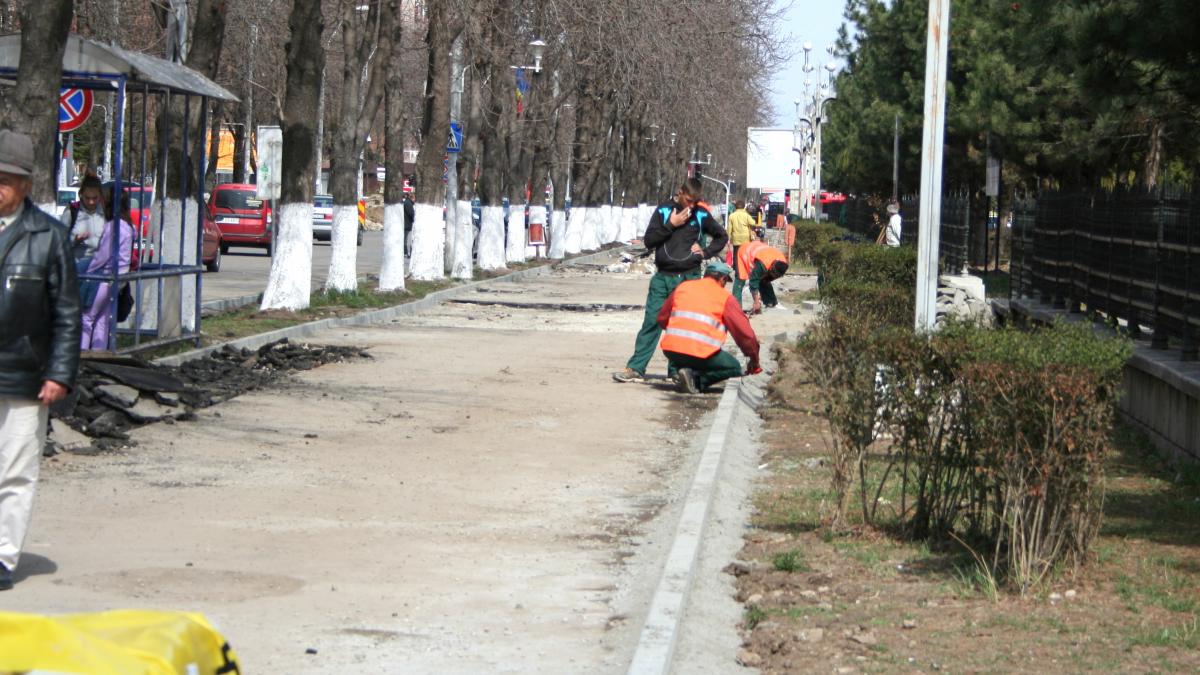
[(95, 318)]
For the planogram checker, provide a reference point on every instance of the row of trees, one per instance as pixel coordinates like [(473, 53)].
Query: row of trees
[(1071, 93), (620, 81)]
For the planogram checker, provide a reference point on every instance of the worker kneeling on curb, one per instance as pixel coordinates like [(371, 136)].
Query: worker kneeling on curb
[(695, 319), (759, 264)]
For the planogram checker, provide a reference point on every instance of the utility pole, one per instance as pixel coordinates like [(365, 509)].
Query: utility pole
[(896, 161), (456, 91), (936, 47), (249, 124)]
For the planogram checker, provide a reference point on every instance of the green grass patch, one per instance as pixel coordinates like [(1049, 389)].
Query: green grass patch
[(790, 561)]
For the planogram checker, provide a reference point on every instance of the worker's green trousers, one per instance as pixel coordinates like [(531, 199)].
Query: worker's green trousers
[(661, 285), (716, 368)]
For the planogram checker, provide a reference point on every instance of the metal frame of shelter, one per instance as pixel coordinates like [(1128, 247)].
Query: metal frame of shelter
[(88, 64)]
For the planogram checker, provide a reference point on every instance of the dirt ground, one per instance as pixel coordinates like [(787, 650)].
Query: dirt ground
[(479, 497), (866, 602)]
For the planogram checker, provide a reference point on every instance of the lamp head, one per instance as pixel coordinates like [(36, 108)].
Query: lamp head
[(538, 48)]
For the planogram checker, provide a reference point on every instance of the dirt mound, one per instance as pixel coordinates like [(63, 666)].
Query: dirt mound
[(114, 394)]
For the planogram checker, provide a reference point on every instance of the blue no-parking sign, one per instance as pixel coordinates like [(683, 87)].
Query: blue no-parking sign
[(74, 106)]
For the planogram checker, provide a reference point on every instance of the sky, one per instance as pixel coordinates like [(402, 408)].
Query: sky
[(815, 21)]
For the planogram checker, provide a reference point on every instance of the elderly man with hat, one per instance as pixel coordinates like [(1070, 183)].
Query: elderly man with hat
[(695, 319), (39, 338)]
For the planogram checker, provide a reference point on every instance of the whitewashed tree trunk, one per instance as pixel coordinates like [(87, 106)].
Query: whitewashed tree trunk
[(491, 238), (391, 270), (645, 211), (428, 244), (626, 232), (573, 240), (289, 285), (592, 226), (464, 241), (558, 235), (168, 252), (343, 275), (514, 250), (609, 223)]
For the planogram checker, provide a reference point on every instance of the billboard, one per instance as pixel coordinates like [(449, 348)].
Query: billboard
[(771, 164)]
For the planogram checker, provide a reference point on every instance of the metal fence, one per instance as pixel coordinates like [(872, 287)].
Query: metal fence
[(1129, 256), (865, 217)]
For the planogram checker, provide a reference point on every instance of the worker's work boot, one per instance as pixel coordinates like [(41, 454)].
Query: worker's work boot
[(686, 379), (628, 375)]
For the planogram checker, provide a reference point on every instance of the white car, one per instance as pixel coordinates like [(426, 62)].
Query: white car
[(323, 217)]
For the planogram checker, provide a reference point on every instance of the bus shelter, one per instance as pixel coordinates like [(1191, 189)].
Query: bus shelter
[(167, 280)]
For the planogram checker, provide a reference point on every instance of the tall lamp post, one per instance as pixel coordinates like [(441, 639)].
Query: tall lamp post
[(815, 117), (801, 145)]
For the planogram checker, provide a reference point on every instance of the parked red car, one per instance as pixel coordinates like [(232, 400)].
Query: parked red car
[(242, 218), (210, 253)]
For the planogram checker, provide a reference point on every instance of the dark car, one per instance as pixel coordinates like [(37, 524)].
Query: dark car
[(242, 217)]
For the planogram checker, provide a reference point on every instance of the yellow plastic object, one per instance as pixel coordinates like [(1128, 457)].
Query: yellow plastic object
[(120, 642)]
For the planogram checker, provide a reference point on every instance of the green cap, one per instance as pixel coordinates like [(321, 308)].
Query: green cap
[(720, 268)]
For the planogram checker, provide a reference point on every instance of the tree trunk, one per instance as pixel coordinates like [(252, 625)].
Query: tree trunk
[(429, 229), (391, 272), (363, 78), (291, 269), (33, 106)]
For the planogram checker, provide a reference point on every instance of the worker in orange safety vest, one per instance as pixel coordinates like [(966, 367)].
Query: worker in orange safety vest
[(695, 319), (759, 264)]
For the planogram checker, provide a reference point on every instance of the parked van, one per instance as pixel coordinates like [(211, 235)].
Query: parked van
[(242, 218)]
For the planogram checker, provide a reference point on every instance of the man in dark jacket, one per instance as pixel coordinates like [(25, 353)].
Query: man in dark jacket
[(39, 338), (683, 235)]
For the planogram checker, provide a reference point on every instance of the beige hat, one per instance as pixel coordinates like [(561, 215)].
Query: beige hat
[(16, 153)]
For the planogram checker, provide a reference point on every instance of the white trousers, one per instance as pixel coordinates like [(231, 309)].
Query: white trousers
[(22, 436)]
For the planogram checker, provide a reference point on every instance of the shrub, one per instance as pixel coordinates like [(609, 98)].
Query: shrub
[(871, 302), (998, 435), (811, 236)]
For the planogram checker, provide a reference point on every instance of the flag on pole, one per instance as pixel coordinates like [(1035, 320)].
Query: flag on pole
[(522, 90)]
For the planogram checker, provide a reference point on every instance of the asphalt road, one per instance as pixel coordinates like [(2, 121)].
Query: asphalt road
[(244, 270)]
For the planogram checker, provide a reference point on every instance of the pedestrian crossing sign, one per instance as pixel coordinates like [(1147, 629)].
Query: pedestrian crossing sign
[(454, 143)]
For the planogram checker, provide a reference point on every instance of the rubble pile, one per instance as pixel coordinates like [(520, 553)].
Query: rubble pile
[(116, 393)]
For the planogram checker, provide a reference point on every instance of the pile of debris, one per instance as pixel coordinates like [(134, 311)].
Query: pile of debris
[(114, 394)]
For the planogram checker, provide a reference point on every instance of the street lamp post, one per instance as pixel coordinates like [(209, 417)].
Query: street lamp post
[(815, 118)]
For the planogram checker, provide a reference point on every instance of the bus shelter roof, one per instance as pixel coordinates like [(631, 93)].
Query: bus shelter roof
[(90, 64)]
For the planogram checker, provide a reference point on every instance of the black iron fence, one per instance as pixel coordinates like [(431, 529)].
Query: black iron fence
[(1129, 256), (865, 216)]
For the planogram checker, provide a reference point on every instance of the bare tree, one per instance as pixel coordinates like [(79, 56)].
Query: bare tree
[(288, 286), (33, 106)]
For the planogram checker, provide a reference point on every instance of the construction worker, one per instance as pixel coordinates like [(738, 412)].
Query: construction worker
[(682, 234), (695, 319), (759, 264)]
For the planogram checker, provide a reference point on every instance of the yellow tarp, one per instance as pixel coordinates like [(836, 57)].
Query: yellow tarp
[(120, 642)]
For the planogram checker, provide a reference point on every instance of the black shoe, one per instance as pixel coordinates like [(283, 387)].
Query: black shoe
[(6, 578), (686, 379)]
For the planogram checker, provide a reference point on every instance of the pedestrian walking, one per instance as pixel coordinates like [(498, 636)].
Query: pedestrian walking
[(758, 265), (741, 227), (95, 318), (86, 220), (682, 235), (895, 222), (695, 319), (39, 338)]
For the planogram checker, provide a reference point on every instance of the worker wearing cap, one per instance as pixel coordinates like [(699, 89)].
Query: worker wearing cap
[(759, 264), (695, 319)]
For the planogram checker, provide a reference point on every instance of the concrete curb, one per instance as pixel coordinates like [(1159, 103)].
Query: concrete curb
[(660, 633), (367, 318)]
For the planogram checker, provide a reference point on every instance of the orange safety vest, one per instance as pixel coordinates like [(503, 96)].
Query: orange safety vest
[(756, 251), (696, 326)]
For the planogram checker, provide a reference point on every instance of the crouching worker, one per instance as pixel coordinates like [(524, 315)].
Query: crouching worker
[(759, 264), (695, 319)]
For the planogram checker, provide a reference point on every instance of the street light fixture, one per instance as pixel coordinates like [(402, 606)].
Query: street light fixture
[(538, 49), (815, 119)]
